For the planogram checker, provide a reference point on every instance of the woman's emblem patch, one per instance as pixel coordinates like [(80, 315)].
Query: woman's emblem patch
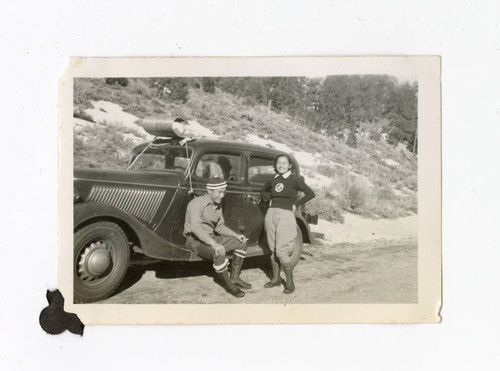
[(279, 187)]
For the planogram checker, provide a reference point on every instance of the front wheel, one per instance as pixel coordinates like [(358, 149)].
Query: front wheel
[(101, 257)]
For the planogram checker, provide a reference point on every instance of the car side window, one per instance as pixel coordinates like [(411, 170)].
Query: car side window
[(222, 165), (260, 169), (162, 159), (150, 161)]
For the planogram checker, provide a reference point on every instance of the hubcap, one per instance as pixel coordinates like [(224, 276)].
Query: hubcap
[(94, 261)]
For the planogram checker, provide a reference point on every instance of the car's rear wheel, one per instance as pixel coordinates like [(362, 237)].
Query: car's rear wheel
[(101, 258), (297, 248)]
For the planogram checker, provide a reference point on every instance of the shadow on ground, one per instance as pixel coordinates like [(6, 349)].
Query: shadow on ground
[(374, 272), (172, 270)]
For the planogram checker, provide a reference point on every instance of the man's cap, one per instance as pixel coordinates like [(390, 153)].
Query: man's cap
[(216, 183)]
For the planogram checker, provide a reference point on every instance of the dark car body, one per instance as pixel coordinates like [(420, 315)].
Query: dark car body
[(148, 200)]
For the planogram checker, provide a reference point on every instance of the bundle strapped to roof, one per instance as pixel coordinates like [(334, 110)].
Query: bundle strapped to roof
[(167, 132), (165, 127)]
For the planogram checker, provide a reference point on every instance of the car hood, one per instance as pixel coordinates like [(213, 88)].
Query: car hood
[(157, 177)]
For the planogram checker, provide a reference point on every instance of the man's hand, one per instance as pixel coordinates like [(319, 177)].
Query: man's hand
[(294, 208), (241, 238), (219, 249)]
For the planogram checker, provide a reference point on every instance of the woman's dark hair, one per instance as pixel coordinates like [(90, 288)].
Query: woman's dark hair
[(225, 165), (292, 168)]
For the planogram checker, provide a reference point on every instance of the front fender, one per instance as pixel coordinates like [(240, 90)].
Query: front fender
[(304, 228), (153, 245)]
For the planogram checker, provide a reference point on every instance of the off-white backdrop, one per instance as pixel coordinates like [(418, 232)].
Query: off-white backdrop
[(37, 37)]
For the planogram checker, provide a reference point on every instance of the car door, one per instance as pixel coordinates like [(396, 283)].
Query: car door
[(228, 165), (260, 169)]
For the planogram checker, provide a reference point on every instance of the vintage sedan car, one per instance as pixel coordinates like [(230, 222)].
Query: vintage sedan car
[(120, 213)]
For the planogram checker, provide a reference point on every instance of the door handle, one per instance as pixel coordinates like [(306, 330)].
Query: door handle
[(254, 198)]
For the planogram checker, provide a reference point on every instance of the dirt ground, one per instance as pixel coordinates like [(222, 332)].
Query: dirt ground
[(364, 272)]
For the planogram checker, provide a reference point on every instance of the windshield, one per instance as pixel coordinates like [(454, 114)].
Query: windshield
[(163, 158)]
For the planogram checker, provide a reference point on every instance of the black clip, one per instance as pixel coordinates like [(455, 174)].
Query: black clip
[(54, 320)]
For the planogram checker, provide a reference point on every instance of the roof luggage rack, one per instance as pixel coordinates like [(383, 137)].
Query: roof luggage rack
[(167, 131)]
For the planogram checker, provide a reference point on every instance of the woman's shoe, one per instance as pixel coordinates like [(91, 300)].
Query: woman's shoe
[(276, 279), (289, 285)]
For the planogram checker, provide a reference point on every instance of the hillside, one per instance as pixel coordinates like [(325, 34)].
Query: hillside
[(374, 179)]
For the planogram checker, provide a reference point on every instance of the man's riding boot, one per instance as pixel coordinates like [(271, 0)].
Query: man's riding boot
[(276, 279), (229, 285), (289, 285), (235, 273)]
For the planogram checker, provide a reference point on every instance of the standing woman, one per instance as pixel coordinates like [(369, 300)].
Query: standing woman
[(281, 227)]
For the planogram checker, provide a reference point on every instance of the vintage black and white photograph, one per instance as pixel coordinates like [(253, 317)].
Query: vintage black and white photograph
[(246, 189), (187, 182)]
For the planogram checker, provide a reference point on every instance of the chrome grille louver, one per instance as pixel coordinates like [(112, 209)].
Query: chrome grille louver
[(141, 203)]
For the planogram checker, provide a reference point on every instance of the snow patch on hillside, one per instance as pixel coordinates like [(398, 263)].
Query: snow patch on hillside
[(390, 162), (107, 112), (315, 180), (197, 130), (305, 159), (255, 139), (110, 113)]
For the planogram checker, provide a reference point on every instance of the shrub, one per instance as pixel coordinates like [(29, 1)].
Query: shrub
[(82, 115), (139, 89), (411, 182), (327, 170), (208, 85), (375, 136), (325, 207), (80, 90), (103, 146), (351, 139), (122, 81), (388, 205), (374, 130), (137, 109), (354, 192), (249, 101)]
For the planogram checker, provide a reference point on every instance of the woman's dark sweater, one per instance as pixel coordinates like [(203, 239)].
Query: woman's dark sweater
[(284, 189)]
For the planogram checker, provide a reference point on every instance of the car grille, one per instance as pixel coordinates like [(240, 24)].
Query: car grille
[(140, 203)]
